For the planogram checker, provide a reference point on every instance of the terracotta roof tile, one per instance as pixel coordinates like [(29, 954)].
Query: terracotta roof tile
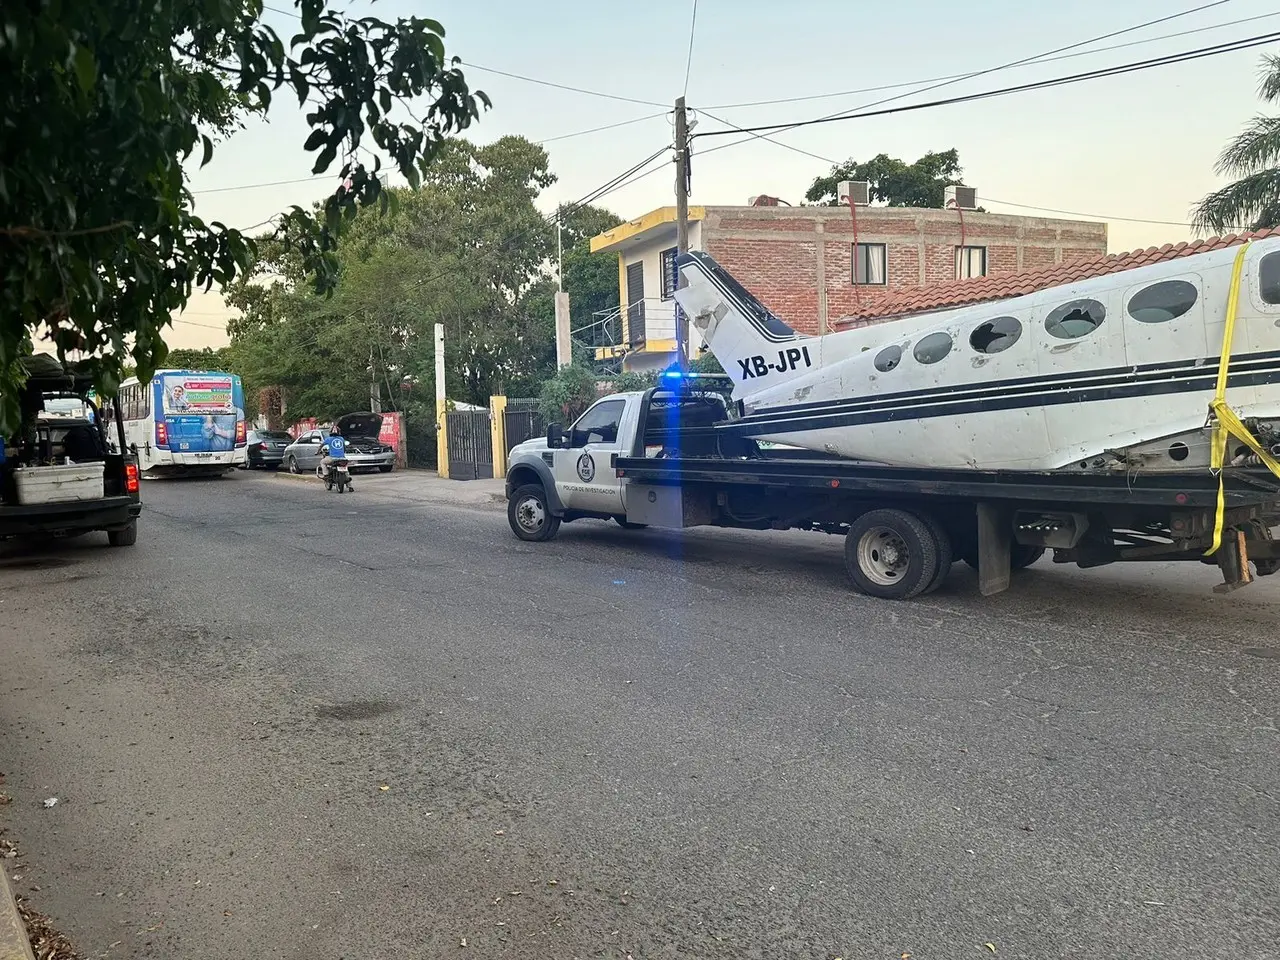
[(959, 293)]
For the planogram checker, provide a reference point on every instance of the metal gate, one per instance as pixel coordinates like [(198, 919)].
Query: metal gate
[(470, 439), (522, 421)]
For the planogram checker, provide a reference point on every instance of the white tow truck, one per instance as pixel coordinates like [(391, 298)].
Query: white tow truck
[(660, 458)]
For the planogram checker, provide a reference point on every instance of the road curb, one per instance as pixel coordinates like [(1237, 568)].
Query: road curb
[(14, 944)]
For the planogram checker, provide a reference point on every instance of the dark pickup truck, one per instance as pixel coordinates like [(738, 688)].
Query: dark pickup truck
[(31, 507)]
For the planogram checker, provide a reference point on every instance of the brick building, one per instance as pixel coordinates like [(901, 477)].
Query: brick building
[(802, 262)]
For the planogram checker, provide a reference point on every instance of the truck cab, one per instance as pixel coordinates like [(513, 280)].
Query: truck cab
[(569, 474)]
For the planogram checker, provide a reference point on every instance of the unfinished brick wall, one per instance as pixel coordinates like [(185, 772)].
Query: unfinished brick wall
[(774, 252)]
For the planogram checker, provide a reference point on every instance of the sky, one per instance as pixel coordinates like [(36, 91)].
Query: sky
[(1136, 150)]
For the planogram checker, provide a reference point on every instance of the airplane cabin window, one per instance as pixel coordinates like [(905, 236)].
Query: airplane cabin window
[(888, 358), (1075, 319), (1269, 278), (1163, 301), (996, 335), (932, 348)]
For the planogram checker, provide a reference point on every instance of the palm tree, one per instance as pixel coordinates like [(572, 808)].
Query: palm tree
[(1254, 158)]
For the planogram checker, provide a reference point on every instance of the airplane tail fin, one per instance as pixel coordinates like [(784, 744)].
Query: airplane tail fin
[(756, 349)]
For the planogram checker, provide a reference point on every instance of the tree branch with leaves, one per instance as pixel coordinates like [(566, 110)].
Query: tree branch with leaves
[(105, 103), (1253, 200)]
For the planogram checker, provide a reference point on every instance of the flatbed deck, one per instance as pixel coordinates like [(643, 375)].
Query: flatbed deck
[(1189, 489)]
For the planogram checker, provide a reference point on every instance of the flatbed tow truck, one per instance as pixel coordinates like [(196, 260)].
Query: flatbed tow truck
[(656, 458)]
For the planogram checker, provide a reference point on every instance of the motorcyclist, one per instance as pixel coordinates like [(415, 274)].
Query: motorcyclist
[(335, 448)]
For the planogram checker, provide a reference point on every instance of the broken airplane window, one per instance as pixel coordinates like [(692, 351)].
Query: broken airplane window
[(996, 335), (1269, 278), (888, 358), (933, 348), (1163, 301), (1075, 319)]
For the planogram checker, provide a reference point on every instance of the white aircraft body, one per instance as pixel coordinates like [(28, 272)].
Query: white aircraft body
[(1110, 373)]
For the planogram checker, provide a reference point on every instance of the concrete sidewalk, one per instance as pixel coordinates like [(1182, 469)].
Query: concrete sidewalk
[(14, 944), (420, 486)]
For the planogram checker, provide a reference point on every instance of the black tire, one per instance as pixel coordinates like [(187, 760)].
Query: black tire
[(384, 469), (126, 537), (946, 554), (292, 464), (628, 525), (890, 554), (529, 514)]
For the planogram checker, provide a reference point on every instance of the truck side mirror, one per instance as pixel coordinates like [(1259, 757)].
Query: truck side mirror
[(555, 435)]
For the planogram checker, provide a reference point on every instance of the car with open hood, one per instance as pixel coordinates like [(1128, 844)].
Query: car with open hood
[(365, 451)]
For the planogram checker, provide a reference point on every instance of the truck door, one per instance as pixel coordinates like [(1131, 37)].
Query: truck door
[(584, 471)]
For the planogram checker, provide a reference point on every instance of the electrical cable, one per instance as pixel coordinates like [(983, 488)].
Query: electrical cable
[(560, 86), (1049, 53), (961, 76), (1117, 70), (608, 126), (984, 199), (688, 67)]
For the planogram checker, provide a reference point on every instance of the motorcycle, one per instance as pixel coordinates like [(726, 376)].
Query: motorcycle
[(339, 476)]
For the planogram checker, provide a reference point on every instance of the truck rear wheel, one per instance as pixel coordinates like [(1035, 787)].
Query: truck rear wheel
[(946, 554), (529, 514), (125, 536), (891, 554)]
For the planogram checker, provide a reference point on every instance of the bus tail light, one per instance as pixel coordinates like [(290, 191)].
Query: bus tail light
[(240, 433), (162, 435), (131, 477)]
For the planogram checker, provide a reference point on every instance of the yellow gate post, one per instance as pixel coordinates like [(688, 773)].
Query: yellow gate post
[(442, 409), (498, 427), (442, 440)]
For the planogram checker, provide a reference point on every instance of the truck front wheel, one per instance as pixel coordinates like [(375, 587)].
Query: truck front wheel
[(891, 554), (530, 516)]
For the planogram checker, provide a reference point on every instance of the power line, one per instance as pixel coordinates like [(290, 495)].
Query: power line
[(1007, 203), (607, 126), (1048, 53), (961, 76), (254, 186), (561, 86), (1118, 70), (693, 28)]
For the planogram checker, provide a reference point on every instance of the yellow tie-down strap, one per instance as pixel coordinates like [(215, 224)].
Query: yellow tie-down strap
[(1226, 423)]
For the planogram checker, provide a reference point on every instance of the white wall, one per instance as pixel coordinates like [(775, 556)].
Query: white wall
[(660, 318)]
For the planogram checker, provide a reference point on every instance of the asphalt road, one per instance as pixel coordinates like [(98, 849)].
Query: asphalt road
[(293, 725)]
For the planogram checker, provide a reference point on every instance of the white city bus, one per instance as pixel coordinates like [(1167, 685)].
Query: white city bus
[(185, 422)]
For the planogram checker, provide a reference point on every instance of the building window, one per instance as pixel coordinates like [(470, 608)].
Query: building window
[(870, 264), (1075, 319), (996, 336), (1269, 277), (668, 260), (1163, 301), (932, 348), (971, 262)]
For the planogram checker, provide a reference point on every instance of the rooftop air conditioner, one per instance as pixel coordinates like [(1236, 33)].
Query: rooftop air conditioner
[(966, 198), (859, 190)]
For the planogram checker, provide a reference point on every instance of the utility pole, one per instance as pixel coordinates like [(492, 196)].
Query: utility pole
[(682, 223)]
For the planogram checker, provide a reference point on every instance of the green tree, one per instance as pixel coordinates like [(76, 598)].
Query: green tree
[(894, 182), (204, 359), (1253, 157), (467, 249), (590, 279), (566, 395), (105, 102)]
